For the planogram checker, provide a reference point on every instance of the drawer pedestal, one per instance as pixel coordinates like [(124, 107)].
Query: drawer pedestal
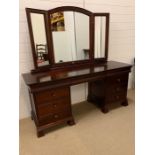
[(109, 90), (51, 107)]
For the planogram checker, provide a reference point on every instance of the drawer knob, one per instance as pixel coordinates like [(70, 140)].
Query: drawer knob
[(117, 89), (52, 94), (54, 105), (56, 116), (118, 80), (117, 97)]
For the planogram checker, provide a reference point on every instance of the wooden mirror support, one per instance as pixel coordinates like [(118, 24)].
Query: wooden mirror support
[(50, 56)]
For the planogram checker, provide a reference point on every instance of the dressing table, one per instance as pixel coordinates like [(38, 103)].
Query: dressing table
[(77, 52)]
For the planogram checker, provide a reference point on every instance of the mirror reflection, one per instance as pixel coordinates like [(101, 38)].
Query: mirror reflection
[(39, 35), (70, 33), (100, 33)]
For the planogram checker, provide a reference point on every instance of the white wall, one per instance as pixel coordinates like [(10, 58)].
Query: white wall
[(121, 41)]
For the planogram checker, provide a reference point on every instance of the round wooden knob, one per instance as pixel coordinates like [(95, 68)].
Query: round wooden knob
[(117, 89), (54, 105), (117, 97), (118, 80), (56, 116), (52, 94)]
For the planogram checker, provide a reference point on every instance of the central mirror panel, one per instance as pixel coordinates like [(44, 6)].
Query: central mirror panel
[(70, 35)]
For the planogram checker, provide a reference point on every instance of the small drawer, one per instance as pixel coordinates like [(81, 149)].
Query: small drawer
[(117, 88), (116, 97), (53, 105), (52, 94), (118, 79), (54, 117)]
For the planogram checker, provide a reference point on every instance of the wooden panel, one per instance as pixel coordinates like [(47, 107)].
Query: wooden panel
[(97, 88)]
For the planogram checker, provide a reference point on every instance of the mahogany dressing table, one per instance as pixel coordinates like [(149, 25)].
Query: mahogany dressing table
[(49, 83)]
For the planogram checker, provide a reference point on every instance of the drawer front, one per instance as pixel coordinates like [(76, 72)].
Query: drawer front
[(53, 105), (117, 88), (52, 94), (118, 79), (54, 117), (115, 97)]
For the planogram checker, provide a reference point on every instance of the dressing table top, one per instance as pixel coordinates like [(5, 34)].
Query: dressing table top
[(58, 75)]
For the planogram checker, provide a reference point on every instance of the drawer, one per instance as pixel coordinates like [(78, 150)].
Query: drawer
[(53, 105), (117, 88), (54, 117), (51, 94), (118, 79), (115, 97)]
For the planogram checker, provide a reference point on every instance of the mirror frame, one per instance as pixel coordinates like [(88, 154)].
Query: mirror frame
[(44, 13), (74, 9), (72, 64), (107, 16)]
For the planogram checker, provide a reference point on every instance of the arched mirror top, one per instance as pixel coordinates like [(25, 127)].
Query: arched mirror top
[(70, 8), (71, 27)]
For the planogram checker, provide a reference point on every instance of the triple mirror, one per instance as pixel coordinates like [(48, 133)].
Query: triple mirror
[(67, 35)]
